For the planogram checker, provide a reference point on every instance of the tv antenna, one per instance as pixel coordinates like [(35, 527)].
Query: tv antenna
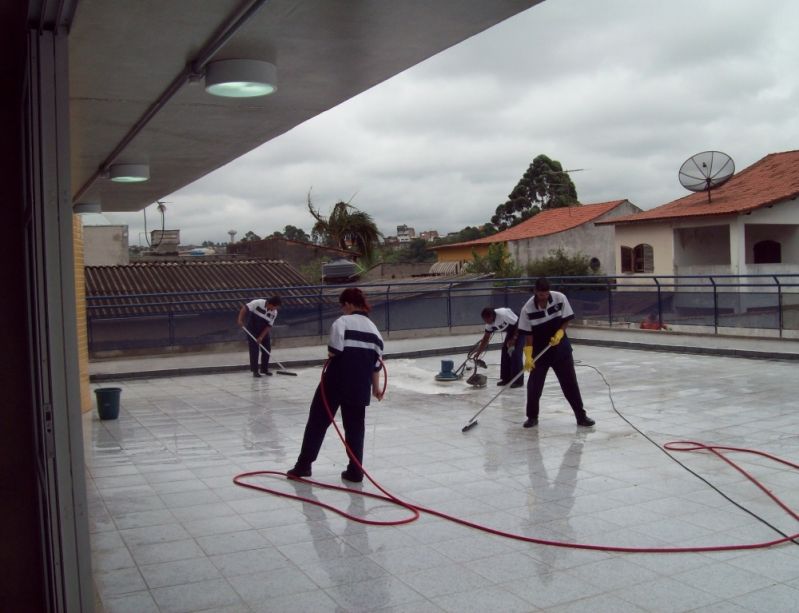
[(705, 171)]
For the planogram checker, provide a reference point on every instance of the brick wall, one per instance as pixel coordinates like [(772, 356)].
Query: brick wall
[(80, 311)]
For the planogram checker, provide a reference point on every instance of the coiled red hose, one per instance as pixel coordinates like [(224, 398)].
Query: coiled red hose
[(416, 510)]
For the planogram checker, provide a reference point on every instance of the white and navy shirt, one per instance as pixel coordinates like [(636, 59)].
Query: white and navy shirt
[(356, 346), (504, 321), (260, 316), (543, 323)]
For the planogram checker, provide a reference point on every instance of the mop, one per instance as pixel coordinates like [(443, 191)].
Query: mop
[(473, 421), (282, 370)]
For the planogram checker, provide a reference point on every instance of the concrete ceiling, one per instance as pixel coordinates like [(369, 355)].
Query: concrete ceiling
[(124, 56)]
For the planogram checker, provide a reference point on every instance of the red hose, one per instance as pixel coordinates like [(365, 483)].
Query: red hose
[(416, 510)]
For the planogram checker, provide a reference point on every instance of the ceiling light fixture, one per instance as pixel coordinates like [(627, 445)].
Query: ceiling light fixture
[(240, 78), (129, 173), (81, 208)]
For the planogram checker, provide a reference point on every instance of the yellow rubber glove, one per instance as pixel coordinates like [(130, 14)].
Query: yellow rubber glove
[(528, 358), (557, 337)]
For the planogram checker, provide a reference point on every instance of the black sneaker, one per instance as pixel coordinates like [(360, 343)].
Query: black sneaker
[(349, 475), (585, 422), (297, 472), (500, 383), (517, 384), (256, 375), (530, 423)]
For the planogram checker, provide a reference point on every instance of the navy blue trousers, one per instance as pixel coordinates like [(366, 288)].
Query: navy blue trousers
[(352, 416), (563, 365), (255, 350), (511, 365)]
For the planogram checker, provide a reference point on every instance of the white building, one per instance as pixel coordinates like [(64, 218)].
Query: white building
[(750, 225), (405, 233)]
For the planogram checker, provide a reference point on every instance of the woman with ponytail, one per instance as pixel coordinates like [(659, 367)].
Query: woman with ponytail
[(354, 350)]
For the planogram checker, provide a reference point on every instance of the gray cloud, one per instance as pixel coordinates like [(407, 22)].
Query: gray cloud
[(625, 89)]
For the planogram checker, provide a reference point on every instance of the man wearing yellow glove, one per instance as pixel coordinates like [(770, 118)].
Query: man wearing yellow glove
[(544, 319)]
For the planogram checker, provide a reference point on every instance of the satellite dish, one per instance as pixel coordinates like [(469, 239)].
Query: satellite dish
[(705, 171)]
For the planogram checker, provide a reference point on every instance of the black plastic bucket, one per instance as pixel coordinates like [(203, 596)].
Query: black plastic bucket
[(108, 402)]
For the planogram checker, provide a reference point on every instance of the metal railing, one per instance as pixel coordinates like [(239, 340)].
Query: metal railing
[(760, 302)]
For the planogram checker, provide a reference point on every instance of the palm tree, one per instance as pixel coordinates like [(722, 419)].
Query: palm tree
[(346, 227)]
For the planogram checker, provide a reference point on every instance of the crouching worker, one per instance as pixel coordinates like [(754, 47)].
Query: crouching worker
[(352, 375), (510, 364), (544, 318)]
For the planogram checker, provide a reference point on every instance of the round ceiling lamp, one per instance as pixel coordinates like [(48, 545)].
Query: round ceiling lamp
[(129, 173), (240, 78)]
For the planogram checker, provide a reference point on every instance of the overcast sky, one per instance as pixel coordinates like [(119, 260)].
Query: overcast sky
[(625, 89)]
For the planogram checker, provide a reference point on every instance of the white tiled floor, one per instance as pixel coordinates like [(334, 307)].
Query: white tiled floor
[(172, 533)]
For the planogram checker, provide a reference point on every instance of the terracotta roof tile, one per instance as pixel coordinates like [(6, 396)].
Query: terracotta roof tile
[(545, 223), (773, 179)]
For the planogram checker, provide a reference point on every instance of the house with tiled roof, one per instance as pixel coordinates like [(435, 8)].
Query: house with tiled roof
[(748, 225), (571, 229)]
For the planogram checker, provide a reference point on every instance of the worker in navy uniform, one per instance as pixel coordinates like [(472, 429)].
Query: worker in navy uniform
[(352, 376), (257, 317), (544, 319), (510, 364)]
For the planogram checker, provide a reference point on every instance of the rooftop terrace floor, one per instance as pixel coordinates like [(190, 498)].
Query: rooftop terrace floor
[(171, 532)]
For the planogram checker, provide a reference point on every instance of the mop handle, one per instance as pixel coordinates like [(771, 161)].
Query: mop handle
[(264, 349), (508, 384)]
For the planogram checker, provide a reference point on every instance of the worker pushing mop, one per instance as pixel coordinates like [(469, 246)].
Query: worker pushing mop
[(256, 318), (544, 319)]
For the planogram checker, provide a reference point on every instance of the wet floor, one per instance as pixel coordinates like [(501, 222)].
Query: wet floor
[(170, 531)]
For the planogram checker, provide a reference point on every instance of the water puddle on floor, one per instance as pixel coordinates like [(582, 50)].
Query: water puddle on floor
[(407, 374)]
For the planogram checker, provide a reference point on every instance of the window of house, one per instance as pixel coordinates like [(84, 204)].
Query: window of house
[(768, 252), (643, 258), (626, 259)]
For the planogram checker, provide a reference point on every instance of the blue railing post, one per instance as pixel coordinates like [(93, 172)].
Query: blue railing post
[(779, 303), (171, 325), (388, 308), (610, 304), (321, 313), (449, 305), (660, 302), (715, 306)]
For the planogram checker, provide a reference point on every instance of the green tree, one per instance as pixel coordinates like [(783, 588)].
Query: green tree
[(544, 185), (345, 227), (250, 236), (498, 261), (292, 233), (559, 263)]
